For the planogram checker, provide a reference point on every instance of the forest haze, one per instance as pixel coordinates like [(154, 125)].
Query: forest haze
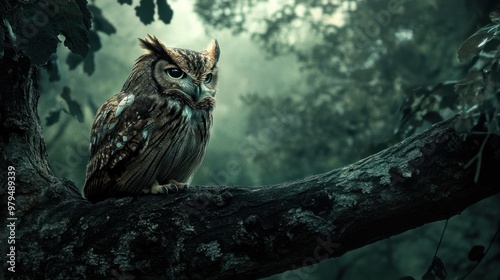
[(305, 87)]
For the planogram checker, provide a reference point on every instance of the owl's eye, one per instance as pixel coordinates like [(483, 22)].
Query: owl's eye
[(208, 78), (175, 73)]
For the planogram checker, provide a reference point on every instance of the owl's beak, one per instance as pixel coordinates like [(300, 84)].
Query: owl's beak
[(197, 93)]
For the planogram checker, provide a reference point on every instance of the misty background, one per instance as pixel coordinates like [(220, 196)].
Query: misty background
[(304, 87)]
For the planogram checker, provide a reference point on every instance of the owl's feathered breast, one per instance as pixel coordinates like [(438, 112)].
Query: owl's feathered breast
[(139, 139)]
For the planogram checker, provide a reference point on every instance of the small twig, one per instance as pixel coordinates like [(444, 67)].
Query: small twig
[(478, 157), (441, 239)]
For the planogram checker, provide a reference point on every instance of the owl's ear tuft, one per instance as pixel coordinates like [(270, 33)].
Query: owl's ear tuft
[(213, 50), (154, 46)]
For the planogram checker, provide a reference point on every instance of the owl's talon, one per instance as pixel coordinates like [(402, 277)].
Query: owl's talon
[(172, 187), (165, 189)]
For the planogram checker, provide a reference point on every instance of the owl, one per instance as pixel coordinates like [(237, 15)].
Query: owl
[(151, 137)]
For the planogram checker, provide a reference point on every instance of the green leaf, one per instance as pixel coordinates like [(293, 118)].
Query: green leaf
[(432, 117), (95, 41), (495, 14), (475, 43), (478, 90), (145, 11), (436, 270), (72, 24), (73, 60), (53, 117), (476, 253), (165, 13), (48, 46), (100, 22), (128, 2), (52, 67), (87, 15), (89, 64), (75, 109), (95, 45)]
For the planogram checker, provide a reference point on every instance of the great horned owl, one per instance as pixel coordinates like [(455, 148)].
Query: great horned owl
[(151, 137)]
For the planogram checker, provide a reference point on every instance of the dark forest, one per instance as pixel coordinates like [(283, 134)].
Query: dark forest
[(351, 139)]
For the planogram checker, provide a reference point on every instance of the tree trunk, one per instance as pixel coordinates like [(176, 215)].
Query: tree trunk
[(224, 232)]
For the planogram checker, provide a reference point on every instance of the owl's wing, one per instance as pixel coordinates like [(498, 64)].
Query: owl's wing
[(119, 133)]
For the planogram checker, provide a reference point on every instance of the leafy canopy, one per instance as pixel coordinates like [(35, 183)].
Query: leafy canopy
[(34, 27)]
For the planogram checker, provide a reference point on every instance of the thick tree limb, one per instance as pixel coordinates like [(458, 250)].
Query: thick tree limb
[(221, 232)]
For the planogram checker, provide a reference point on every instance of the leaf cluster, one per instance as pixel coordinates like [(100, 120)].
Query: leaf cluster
[(146, 10), (479, 90), (359, 61), (74, 109), (34, 27), (101, 24)]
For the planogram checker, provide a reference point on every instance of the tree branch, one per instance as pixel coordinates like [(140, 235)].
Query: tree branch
[(227, 232)]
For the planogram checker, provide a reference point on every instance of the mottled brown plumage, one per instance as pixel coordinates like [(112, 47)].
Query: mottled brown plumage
[(151, 137)]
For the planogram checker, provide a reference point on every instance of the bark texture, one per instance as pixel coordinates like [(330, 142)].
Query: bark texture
[(227, 232)]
